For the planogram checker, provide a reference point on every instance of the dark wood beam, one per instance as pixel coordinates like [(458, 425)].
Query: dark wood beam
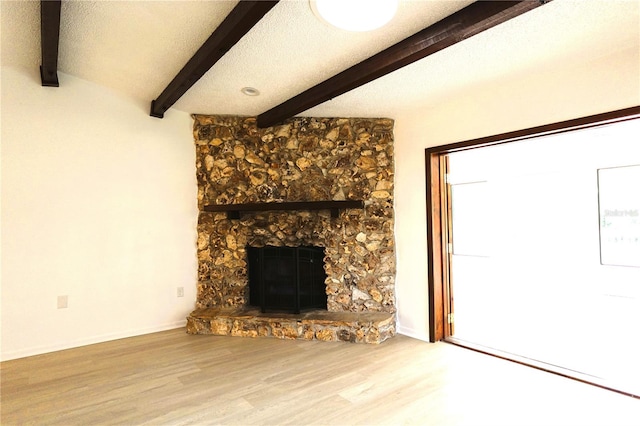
[(49, 38), (241, 19), (465, 23)]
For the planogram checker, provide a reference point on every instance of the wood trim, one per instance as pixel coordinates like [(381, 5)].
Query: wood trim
[(49, 40), (435, 256), (467, 22), (434, 249), (241, 19), (549, 368), (547, 129), (233, 210), (447, 246)]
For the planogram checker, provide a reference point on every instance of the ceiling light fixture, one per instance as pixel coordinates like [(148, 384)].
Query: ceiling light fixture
[(250, 91), (355, 15)]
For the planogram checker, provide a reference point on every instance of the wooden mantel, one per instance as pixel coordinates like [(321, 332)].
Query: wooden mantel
[(233, 210)]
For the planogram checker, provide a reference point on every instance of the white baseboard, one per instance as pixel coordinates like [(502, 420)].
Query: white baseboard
[(415, 334), (406, 331), (38, 350)]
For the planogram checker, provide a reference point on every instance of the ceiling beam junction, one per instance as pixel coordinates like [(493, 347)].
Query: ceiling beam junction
[(49, 39), (241, 19), (467, 22)]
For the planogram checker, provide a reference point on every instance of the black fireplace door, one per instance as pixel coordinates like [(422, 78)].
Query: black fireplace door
[(287, 279)]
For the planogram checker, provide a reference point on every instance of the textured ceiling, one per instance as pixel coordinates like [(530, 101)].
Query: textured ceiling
[(137, 47)]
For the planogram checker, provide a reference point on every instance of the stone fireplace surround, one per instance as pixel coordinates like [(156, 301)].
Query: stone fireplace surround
[(304, 159)]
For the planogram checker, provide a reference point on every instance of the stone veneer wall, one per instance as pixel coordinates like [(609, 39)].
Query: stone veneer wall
[(305, 159)]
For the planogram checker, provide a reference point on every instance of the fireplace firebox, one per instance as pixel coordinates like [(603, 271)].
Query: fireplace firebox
[(287, 279)]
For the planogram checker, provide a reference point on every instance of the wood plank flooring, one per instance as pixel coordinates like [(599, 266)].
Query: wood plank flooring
[(177, 379)]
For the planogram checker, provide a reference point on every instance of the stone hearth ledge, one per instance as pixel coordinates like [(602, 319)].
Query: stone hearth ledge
[(357, 327)]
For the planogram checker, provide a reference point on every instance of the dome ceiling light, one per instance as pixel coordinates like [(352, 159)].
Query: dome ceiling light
[(355, 15)]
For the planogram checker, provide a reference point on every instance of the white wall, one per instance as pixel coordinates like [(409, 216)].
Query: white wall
[(566, 91), (98, 204)]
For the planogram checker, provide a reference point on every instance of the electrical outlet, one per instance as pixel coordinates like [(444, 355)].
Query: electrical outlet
[(180, 291), (63, 302)]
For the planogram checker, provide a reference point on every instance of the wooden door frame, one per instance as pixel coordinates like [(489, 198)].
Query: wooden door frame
[(437, 240)]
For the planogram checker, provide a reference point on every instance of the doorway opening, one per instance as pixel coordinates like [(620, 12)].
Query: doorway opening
[(515, 241)]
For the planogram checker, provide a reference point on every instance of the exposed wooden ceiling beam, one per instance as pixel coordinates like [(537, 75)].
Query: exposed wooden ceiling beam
[(49, 37), (241, 19), (471, 20)]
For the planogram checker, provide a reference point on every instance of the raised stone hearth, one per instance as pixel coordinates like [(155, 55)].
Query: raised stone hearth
[(369, 327), (305, 160)]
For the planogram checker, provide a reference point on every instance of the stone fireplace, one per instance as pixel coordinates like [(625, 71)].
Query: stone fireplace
[(304, 160)]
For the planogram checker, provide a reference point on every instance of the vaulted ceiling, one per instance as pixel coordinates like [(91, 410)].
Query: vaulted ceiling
[(138, 47)]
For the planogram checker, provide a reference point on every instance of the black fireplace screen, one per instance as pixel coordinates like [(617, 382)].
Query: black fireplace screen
[(287, 278)]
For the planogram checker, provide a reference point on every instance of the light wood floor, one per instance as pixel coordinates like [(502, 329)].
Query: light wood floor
[(175, 378)]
